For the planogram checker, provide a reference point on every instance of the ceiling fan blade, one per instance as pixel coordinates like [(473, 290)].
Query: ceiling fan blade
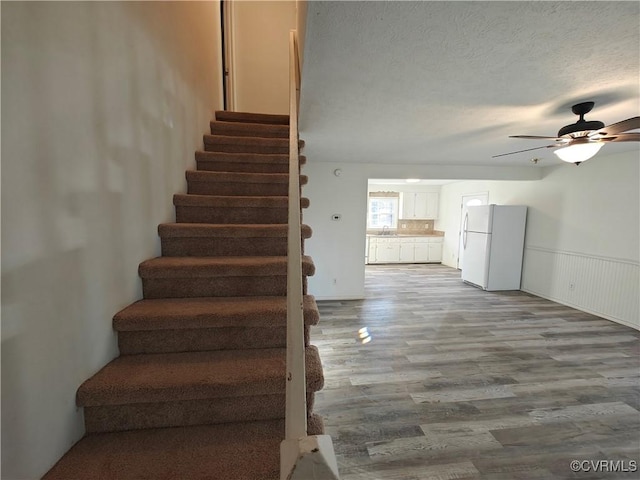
[(615, 128), (527, 150), (535, 137), (622, 137)]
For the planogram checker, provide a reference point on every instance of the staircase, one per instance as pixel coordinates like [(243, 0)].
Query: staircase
[(198, 391)]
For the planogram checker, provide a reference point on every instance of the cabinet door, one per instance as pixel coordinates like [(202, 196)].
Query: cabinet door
[(408, 205), (388, 253), (435, 252), (421, 252), (373, 244), (406, 251), (432, 205), (420, 209)]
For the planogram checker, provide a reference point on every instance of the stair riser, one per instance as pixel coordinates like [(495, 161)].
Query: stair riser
[(223, 247), (237, 189), (209, 166), (227, 116), (216, 287), (233, 216), (250, 130), (240, 148), (113, 418), (192, 340)]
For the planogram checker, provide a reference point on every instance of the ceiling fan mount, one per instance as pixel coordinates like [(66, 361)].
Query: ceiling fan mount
[(581, 109), (586, 137)]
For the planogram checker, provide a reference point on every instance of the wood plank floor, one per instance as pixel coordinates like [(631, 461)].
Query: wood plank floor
[(457, 383)]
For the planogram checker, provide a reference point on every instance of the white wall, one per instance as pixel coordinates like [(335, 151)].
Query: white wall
[(260, 63), (337, 247), (301, 27), (408, 188), (104, 104), (582, 242)]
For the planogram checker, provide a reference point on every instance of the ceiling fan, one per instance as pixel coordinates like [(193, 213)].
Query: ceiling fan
[(582, 140)]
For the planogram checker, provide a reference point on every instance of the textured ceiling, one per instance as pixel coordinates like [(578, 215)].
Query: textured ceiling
[(446, 83)]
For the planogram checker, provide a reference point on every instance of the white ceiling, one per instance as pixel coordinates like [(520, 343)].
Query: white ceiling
[(446, 83)]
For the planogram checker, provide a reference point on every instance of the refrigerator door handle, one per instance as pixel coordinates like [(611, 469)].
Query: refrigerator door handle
[(464, 230)]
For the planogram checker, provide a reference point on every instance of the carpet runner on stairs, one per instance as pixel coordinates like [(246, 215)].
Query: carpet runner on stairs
[(198, 391)]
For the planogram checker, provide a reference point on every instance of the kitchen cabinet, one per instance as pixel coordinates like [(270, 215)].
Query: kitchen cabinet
[(409, 205), (420, 205), (406, 252), (387, 250), (422, 249), (435, 253), (432, 205)]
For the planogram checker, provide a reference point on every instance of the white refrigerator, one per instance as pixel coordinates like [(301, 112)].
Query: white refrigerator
[(493, 242)]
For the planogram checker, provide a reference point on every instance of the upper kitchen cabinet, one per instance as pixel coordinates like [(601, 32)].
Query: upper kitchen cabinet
[(420, 205)]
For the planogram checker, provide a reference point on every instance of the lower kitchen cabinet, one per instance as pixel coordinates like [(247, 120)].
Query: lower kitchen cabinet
[(407, 254), (435, 252), (421, 252), (392, 249), (387, 252)]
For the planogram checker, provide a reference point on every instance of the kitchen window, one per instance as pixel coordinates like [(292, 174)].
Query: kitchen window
[(383, 210)]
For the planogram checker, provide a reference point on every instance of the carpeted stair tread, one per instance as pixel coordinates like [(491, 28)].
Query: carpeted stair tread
[(240, 177), (244, 162), (201, 182), (227, 143), (247, 117), (194, 375), (242, 129), (213, 312), (229, 201), (258, 158), (210, 230), (204, 267), (233, 451)]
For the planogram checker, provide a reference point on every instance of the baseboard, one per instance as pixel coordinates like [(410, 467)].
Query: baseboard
[(339, 298)]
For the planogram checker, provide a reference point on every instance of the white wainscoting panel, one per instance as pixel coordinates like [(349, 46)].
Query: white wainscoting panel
[(607, 287)]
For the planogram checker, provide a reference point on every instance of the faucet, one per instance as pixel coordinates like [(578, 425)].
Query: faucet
[(385, 232)]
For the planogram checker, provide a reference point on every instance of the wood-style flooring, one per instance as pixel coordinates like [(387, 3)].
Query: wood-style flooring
[(457, 383)]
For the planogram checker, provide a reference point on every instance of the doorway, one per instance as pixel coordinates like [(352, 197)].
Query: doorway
[(226, 25), (468, 201)]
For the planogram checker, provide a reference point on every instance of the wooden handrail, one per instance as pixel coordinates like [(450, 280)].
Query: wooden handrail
[(302, 457), (296, 391)]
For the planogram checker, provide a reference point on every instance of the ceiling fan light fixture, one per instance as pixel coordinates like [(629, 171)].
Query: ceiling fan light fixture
[(578, 153)]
